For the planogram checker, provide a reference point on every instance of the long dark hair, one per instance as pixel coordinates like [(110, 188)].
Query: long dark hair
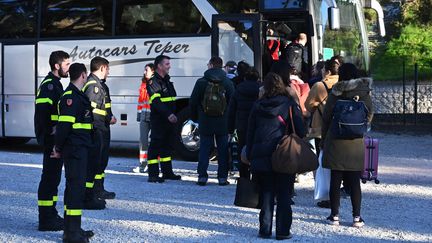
[(348, 71), (274, 86)]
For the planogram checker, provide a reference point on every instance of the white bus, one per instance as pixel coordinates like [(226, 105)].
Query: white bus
[(131, 33)]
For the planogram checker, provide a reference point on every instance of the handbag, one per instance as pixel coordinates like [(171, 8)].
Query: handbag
[(293, 154), (247, 193)]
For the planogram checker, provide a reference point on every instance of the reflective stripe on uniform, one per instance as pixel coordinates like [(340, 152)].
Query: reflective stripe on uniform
[(103, 175), (45, 203), (54, 117), (93, 104), (99, 112), (107, 105), (165, 159), (55, 198), (168, 99), (45, 81), (87, 84), (69, 92), (74, 212), (44, 100), (89, 184), (154, 96), (86, 126), (66, 119), (98, 177), (153, 161)]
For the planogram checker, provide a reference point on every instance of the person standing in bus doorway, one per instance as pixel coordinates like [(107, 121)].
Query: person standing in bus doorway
[(110, 120), (143, 117), (72, 142), (162, 105), (45, 122), (296, 54), (96, 94), (209, 105)]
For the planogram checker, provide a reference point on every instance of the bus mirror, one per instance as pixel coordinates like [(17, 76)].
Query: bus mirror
[(375, 5), (334, 18)]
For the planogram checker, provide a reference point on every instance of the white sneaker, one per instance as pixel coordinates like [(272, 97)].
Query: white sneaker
[(333, 220), (358, 222)]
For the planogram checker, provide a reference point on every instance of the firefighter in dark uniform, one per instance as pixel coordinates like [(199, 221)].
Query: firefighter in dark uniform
[(72, 142), (45, 121), (110, 119), (96, 93), (162, 105)]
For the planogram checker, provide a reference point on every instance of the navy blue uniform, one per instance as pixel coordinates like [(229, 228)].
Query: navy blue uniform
[(73, 140), (45, 121), (96, 94), (162, 104)]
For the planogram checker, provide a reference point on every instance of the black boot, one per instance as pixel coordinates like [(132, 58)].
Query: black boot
[(49, 220), (101, 192), (153, 171), (73, 233), (167, 171), (91, 202)]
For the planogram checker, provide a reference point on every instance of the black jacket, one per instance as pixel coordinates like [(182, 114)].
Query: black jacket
[(265, 129), (162, 98), (96, 94), (241, 104), (46, 113), (75, 119), (209, 125), (107, 103)]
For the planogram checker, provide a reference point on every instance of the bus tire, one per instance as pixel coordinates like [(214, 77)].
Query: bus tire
[(186, 144)]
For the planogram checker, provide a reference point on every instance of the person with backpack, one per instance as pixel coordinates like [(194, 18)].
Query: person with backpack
[(346, 115), (209, 106), (315, 105), (267, 126)]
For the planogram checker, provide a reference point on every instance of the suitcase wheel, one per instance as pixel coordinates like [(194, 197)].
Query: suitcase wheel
[(363, 181), (377, 181)]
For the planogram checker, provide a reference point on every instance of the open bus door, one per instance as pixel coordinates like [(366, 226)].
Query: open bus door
[(237, 37)]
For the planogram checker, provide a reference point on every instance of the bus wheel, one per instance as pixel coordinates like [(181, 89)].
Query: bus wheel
[(186, 144), (13, 141)]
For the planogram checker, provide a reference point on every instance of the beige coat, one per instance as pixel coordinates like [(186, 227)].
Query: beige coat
[(345, 154), (315, 104)]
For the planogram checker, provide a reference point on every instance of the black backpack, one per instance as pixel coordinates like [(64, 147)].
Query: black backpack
[(349, 119), (214, 101)]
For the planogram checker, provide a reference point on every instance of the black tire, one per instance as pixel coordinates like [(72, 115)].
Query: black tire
[(377, 181), (180, 149), (363, 181), (13, 141)]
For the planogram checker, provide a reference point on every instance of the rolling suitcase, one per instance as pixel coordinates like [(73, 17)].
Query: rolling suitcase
[(370, 171)]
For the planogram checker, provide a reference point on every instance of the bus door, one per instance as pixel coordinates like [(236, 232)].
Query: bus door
[(236, 37), (18, 73)]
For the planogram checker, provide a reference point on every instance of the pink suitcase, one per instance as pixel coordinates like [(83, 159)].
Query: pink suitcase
[(370, 171)]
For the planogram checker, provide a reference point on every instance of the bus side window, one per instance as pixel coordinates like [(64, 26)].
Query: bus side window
[(76, 18), (155, 17), (18, 19)]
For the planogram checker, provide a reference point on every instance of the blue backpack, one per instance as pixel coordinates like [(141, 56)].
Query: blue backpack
[(349, 119)]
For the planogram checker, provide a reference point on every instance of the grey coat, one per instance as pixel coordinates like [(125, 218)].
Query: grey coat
[(345, 154)]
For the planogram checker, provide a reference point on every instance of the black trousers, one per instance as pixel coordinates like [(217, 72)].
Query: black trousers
[(75, 161), (48, 185), (94, 162), (271, 185), (105, 138), (352, 181), (160, 148)]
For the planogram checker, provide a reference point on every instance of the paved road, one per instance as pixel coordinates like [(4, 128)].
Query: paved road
[(398, 209)]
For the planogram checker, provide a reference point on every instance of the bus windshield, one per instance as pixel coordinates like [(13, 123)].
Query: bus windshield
[(347, 41)]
